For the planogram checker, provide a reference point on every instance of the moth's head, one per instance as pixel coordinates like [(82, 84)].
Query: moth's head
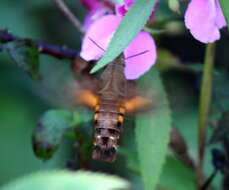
[(105, 144), (104, 154)]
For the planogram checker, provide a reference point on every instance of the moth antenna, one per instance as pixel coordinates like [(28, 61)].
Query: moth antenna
[(96, 44), (141, 53)]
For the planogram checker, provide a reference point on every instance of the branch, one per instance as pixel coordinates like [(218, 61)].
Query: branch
[(205, 99), (68, 13), (53, 50), (179, 146), (207, 184)]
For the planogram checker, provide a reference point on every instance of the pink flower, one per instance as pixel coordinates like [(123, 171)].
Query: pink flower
[(204, 19), (102, 30), (123, 9), (96, 9), (90, 4)]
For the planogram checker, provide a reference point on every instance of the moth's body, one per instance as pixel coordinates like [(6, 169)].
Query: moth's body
[(109, 112), (110, 97)]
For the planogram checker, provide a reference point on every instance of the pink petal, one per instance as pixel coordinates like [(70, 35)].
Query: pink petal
[(101, 31), (199, 12), (94, 15), (153, 12), (88, 20), (129, 3), (121, 10), (90, 4), (200, 19), (220, 20), (137, 66)]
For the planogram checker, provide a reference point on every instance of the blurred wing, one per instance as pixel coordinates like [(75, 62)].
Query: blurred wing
[(87, 98), (139, 98), (137, 104), (60, 87)]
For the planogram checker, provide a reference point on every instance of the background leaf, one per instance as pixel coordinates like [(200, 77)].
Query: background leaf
[(174, 171), (174, 176), (26, 58), (129, 27), (174, 5), (225, 7), (49, 132), (63, 180), (19, 101), (152, 132)]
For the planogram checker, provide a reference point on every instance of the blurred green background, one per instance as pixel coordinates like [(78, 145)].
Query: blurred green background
[(21, 104)]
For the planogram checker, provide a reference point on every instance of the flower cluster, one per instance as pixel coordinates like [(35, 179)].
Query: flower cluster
[(102, 30), (203, 18)]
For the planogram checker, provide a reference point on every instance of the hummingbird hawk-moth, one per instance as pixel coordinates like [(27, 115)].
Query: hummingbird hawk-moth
[(111, 97)]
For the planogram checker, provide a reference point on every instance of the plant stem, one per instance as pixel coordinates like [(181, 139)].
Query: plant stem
[(207, 184), (59, 52), (180, 148), (71, 17), (205, 99)]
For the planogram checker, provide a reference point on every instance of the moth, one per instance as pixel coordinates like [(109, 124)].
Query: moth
[(111, 96)]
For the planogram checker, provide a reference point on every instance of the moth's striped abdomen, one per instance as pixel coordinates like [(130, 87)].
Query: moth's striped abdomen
[(109, 118)]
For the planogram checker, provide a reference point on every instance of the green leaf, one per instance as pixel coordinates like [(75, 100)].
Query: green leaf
[(152, 132), (65, 180), (176, 176), (26, 58), (225, 7), (174, 5), (118, 2), (167, 61), (49, 132), (130, 26), (128, 148)]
